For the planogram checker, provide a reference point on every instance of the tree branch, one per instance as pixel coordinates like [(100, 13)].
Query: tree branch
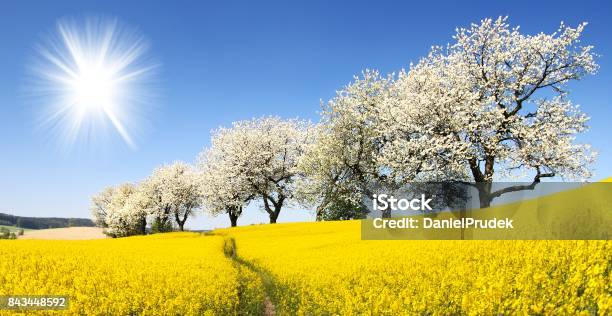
[(531, 186)]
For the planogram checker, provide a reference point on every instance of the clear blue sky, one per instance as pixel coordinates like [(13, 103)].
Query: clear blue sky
[(226, 60)]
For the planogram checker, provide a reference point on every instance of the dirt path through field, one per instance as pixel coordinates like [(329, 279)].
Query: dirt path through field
[(269, 308), (267, 279)]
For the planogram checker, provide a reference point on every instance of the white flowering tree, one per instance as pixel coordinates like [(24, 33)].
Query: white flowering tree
[(223, 188), (173, 193), (265, 153), (492, 105), (138, 207), (160, 210), (343, 161), (100, 205), (121, 217)]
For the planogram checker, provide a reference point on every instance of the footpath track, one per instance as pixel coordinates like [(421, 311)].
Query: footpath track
[(268, 282)]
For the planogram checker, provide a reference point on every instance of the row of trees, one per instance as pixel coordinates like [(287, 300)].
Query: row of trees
[(492, 105), (254, 160), (166, 198)]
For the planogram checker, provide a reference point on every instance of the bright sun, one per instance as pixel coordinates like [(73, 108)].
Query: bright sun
[(92, 74), (93, 87)]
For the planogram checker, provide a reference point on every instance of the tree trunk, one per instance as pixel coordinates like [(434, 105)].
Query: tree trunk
[(483, 180), (320, 210), (485, 200), (181, 223), (143, 225), (274, 216), (484, 194), (275, 213), (278, 205), (233, 218)]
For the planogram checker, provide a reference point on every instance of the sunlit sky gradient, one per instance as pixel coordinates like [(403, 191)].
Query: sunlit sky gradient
[(223, 62)]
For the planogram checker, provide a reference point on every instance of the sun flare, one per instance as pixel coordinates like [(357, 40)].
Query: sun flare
[(92, 74), (93, 88)]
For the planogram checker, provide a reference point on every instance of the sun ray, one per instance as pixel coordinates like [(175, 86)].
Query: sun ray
[(91, 74), (119, 126)]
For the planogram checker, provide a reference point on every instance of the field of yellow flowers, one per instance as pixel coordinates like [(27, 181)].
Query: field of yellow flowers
[(315, 268), (310, 269), (166, 274)]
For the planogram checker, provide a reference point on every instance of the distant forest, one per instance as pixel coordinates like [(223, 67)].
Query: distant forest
[(43, 222)]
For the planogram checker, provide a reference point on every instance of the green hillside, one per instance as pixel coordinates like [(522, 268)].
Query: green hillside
[(43, 222)]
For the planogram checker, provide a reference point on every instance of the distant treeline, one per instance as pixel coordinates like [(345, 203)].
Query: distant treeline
[(43, 222)]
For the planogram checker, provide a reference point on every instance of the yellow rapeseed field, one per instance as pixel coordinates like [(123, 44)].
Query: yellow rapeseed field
[(324, 268), (310, 269), (166, 274)]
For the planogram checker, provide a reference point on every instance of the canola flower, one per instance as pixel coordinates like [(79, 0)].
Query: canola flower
[(178, 274), (324, 268), (310, 269)]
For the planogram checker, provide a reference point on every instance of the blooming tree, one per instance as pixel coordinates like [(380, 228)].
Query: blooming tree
[(224, 190), (493, 104), (265, 153), (173, 193), (343, 161), (100, 204), (121, 217), (152, 190)]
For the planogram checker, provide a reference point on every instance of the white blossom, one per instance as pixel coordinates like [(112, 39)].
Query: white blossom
[(173, 192), (121, 218), (343, 160), (263, 155), (223, 188), (100, 205), (490, 105)]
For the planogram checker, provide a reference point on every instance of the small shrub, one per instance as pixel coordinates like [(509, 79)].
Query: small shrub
[(7, 234)]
